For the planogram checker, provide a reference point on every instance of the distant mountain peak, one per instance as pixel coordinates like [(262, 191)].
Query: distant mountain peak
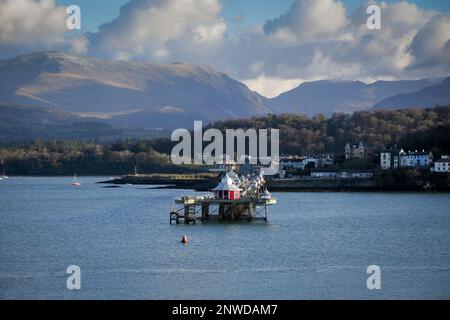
[(85, 85), (428, 97), (330, 96)]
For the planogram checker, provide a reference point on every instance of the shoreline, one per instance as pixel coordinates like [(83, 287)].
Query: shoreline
[(168, 181), (300, 185)]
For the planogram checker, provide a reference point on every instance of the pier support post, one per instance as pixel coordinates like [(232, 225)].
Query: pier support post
[(186, 214), (250, 211), (221, 211), (174, 216), (205, 211), (189, 214)]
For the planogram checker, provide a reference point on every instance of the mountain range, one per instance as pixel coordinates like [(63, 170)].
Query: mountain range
[(70, 88), (435, 95), (157, 96), (329, 96)]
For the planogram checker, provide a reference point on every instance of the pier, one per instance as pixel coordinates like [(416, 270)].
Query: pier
[(193, 209), (234, 198)]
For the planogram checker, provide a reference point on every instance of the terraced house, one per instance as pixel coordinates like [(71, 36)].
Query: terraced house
[(394, 158)]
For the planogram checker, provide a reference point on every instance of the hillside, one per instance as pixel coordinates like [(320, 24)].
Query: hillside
[(329, 96), (428, 97), (103, 88), (410, 128), (22, 123)]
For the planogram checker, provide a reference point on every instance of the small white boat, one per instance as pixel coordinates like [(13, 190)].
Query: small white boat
[(266, 195), (75, 183)]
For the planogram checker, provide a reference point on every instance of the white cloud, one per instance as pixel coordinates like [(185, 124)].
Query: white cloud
[(210, 33), (153, 28), (79, 45), (33, 25), (309, 19), (385, 50), (410, 37), (30, 21), (431, 45)]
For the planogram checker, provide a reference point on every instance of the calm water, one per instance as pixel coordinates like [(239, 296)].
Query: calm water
[(317, 245)]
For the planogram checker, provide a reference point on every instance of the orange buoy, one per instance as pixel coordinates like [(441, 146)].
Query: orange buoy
[(184, 239)]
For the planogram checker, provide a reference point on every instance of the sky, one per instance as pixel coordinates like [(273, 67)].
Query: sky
[(254, 12), (271, 45)]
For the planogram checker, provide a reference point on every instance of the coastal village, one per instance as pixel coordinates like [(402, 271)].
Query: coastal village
[(359, 161), (357, 168)]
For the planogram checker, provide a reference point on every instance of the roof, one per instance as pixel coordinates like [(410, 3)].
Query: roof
[(227, 184), (225, 187), (406, 153), (417, 154)]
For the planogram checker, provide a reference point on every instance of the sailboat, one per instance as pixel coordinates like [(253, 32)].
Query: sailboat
[(75, 183)]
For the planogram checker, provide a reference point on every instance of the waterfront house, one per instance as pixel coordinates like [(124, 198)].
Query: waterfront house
[(356, 151), (415, 159), (292, 164), (301, 163), (323, 173), (355, 174), (442, 165), (394, 158), (390, 159)]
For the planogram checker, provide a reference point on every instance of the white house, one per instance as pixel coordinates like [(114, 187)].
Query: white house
[(323, 173), (292, 163), (301, 163), (394, 158), (355, 174), (442, 165), (389, 159), (355, 151), (415, 159)]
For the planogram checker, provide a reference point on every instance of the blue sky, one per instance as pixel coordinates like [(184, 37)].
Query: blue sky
[(253, 11)]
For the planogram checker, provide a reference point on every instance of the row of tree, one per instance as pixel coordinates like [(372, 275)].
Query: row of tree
[(412, 129), (67, 157)]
